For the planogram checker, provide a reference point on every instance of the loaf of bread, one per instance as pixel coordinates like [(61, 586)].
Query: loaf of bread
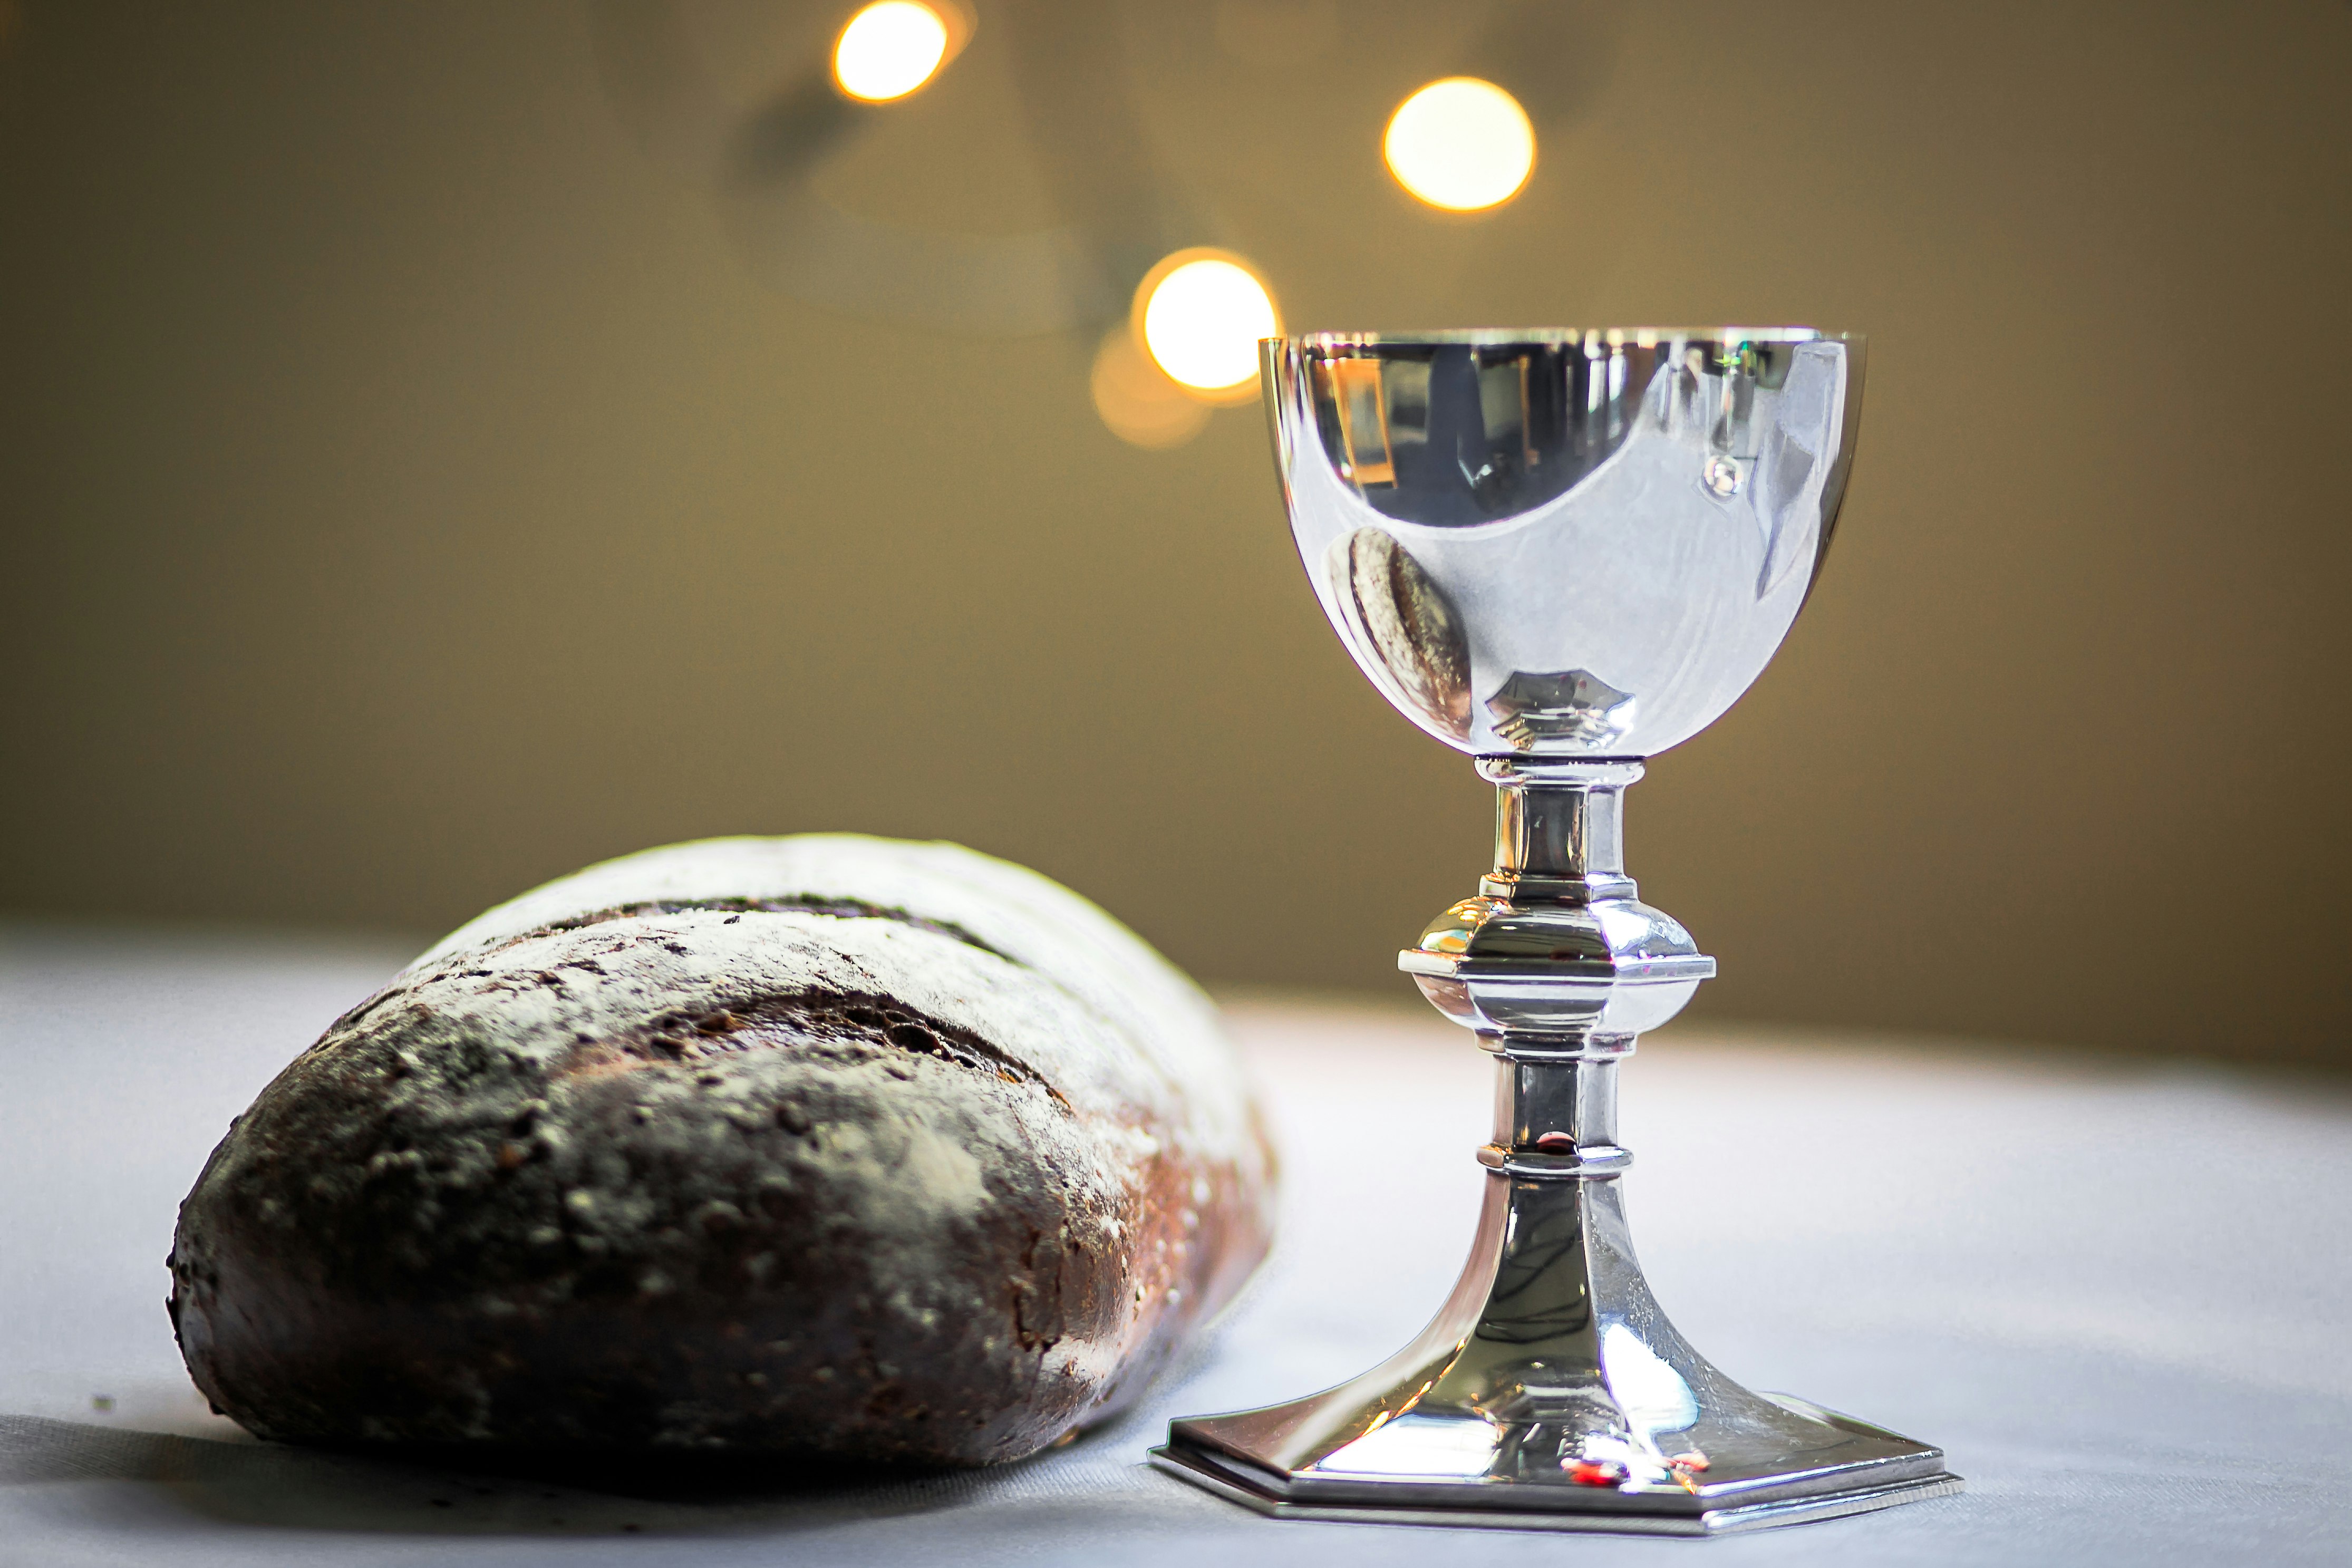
[(826, 1146)]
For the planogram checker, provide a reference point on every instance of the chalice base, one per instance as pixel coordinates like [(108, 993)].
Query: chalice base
[(1200, 1453), (1551, 1394)]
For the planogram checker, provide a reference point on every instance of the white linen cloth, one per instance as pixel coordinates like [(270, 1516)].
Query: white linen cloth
[(2113, 1292)]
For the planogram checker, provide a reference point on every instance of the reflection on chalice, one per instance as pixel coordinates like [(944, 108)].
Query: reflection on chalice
[(1561, 552)]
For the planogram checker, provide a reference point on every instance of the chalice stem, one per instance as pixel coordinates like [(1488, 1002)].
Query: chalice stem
[(1560, 829), (1551, 1391)]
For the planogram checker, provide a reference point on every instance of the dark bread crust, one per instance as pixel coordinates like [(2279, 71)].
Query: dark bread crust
[(750, 1178)]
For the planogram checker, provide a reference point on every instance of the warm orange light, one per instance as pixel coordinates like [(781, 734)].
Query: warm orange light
[(889, 49), (1138, 401), (1199, 315), (1462, 144)]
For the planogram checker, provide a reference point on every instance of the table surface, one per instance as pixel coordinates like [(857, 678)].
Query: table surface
[(2114, 1292)]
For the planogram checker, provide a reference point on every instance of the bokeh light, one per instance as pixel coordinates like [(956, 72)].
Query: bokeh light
[(889, 49), (1135, 398), (1461, 144), (1200, 313)]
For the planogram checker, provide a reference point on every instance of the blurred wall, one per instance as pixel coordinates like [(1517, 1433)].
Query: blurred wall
[(410, 495)]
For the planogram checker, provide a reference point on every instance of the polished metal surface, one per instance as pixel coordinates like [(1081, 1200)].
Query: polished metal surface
[(1563, 552), (1557, 543)]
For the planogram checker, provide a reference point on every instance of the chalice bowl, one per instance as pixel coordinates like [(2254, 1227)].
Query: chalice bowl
[(1561, 552)]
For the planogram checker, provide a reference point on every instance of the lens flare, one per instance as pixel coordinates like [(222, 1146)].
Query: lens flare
[(1137, 400), (1200, 313), (889, 49), (1462, 144)]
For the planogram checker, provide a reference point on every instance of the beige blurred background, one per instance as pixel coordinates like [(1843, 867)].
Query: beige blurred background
[(412, 490)]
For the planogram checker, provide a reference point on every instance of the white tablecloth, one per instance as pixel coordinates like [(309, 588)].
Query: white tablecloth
[(2115, 1293)]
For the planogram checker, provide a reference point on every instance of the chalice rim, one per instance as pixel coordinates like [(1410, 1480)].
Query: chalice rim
[(1597, 336)]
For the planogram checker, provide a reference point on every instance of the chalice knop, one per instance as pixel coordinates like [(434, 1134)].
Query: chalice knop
[(1562, 552)]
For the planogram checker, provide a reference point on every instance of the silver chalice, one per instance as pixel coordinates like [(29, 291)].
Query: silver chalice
[(1562, 552)]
